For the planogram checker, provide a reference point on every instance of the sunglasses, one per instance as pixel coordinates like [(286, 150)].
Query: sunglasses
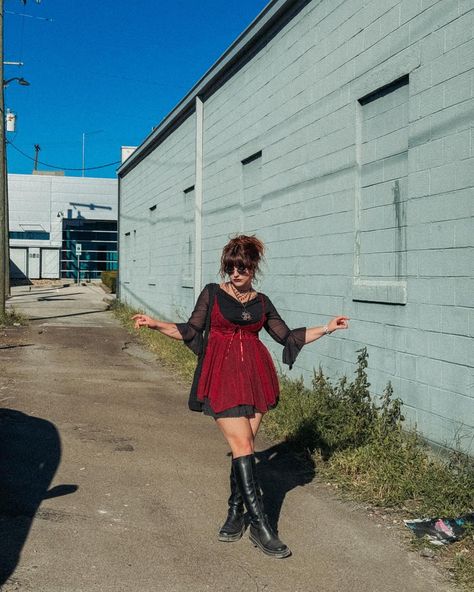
[(229, 269)]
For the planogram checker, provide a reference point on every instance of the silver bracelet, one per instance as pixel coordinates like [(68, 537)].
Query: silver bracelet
[(326, 330)]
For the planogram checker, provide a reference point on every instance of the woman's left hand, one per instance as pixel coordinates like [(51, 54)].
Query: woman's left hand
[(338, 323)]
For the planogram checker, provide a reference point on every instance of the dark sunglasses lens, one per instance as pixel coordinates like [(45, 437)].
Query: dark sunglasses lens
[(240, 270)]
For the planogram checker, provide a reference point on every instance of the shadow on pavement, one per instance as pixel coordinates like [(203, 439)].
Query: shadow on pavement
[(34, 292), (16, 345), (279, 471), (73, 314), (30, 452)]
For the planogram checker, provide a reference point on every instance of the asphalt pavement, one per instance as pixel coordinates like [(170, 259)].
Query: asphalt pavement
[(108, 483)]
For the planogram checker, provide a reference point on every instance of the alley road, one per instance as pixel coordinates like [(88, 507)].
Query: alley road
[(108, 483)]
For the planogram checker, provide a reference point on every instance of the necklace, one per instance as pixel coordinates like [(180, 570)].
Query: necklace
[(244, 300)]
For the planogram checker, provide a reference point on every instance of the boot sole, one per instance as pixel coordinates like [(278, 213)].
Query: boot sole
[(231, 538), (276, 554)]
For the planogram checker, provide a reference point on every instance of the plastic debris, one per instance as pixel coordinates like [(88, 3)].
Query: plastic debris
[(440, 531)]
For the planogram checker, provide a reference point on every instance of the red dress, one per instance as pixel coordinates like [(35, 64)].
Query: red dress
[(237, 376), (237, 368)]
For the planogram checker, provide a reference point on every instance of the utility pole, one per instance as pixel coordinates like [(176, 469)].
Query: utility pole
[(4, 226), (7, 230), (37, 149), (4, 250)]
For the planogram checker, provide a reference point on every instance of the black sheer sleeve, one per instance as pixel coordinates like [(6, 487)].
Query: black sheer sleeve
[(192, 331), (292, 340)]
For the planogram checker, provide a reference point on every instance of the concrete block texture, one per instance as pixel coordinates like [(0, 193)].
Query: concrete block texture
[(452, 63), (460, 30), (363, 194)]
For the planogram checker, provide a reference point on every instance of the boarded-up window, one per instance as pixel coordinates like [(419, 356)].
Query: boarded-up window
[(251, 200), (380, 250), (188, 239), (153, 219), (126, 263)]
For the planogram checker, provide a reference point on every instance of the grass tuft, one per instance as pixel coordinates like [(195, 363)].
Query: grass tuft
[(463, 563), (172, 353), (363, 447), (12, 317)]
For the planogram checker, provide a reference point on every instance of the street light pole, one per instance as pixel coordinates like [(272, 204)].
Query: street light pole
[(84, 134), (83, 152)]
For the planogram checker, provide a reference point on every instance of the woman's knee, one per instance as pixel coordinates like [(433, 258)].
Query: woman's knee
[(241, 446)]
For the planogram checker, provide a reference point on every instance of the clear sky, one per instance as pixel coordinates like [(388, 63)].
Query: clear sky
[(112, 69)]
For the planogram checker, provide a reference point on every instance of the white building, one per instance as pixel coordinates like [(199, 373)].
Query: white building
[(341, 132), (50, 214)]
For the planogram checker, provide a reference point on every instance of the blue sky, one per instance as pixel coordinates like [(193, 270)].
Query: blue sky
[(111, 69)]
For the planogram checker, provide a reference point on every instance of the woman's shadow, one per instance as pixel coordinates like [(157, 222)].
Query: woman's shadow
[(280, 469), (30, 451)]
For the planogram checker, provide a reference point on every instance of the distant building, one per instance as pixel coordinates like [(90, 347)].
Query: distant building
[(341, 132), (50, 214)]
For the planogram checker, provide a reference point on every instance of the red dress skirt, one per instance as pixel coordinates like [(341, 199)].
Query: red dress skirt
[(237, 368)]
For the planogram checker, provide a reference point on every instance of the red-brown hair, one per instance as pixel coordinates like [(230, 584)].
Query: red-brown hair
[(242, 251)]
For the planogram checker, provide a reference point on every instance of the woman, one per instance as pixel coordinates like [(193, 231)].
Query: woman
[(236, 383)]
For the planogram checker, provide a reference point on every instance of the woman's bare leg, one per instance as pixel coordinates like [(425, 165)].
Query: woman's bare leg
[(238, 433), (255, 423)]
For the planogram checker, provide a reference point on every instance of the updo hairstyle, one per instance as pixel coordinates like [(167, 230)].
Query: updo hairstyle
[(242, 251)]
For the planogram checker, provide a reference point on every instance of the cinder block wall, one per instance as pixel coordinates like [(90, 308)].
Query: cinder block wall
[(363, 115), (153, 233)]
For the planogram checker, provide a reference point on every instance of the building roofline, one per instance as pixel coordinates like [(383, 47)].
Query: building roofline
[(209, 82)]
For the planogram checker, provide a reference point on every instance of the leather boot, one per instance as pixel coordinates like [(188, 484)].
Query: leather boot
[(261, 534), (234, 526)]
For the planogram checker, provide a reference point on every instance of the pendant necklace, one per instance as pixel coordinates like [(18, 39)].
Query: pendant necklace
[(246, 316)]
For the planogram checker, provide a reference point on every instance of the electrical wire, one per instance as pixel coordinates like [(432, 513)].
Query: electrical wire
[(39, 18), (52, 166)]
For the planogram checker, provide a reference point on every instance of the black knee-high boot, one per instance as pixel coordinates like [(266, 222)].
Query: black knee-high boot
[(261, 534), (234, 526)]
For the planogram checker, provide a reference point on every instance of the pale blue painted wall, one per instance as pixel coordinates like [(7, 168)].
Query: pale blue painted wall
[(319, 196), (152, 242)]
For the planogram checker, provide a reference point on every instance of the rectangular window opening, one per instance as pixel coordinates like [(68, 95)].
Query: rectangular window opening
[(189, 239), (384, 90), (381, 195), (251, 158), (251, 193)]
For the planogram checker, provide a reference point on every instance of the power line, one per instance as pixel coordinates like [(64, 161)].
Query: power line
[(52, 166), (39, 18)]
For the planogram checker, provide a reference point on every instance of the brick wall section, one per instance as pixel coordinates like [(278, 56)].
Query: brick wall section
[(297, 102)]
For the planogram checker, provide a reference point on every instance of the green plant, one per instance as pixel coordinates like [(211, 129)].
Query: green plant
[(464, 561), (109, 279), (326, 417), (365, 449), (172, 353), (12, 317)]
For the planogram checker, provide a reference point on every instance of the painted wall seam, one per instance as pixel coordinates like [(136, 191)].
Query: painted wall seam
[(198, 194)]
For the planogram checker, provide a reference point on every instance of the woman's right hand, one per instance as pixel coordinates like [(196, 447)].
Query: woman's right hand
[(142, 320)]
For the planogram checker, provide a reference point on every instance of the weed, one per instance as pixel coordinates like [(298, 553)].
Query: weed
[(109, 279), (364, 447), (12, 317), (171, 352), (464, 563)]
